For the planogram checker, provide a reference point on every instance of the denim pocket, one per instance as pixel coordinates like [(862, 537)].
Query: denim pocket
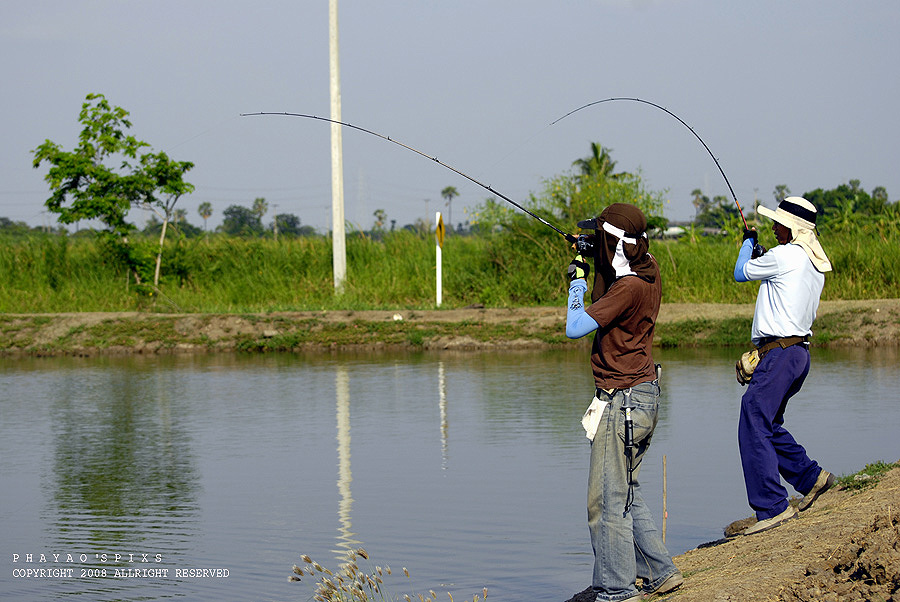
[(644, 405)]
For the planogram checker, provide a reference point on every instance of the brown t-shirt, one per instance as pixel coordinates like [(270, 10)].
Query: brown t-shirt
[(622, 351)]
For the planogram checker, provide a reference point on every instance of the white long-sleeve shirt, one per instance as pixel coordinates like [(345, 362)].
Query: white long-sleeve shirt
[(789, 290)]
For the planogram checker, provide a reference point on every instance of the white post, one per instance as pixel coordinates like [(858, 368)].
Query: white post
[(437, 247), (339, 248)]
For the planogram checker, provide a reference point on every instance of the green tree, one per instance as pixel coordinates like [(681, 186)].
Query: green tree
[(7, 226), (166, 185), (82, 185), (718, 213), (573, 197), (289, 225), (106, 174), (515, 239), (241, 221), (848, 204), (205, 210), (260, 207), (781, 192)]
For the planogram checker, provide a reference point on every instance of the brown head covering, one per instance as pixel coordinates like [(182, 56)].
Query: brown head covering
[(620, 247)]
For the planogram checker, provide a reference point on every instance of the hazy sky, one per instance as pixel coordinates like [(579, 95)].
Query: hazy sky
[(799, 92)]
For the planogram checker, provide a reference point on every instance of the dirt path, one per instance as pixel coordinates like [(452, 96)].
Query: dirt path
[(856, 323)]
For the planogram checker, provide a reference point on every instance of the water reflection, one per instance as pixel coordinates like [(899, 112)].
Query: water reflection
[(95, 459), (442, 407), (346, 540), (123, 466)]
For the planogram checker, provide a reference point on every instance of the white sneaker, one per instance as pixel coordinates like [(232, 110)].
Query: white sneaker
[(770, 523)]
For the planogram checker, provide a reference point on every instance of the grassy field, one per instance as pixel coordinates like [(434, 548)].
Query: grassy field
[(223, 274)]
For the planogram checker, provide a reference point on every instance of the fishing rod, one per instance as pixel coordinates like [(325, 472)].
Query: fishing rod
[(661, 108), (569, 237)]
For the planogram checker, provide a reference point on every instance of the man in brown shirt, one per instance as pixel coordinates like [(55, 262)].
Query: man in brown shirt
[(624, 305)]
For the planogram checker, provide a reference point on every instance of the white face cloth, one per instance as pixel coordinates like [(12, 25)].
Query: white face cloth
[(620, 262)]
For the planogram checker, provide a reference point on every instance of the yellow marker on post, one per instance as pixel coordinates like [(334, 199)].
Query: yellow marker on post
[(439, 239)]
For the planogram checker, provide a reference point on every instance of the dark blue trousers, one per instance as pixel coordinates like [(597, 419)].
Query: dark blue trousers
[(768, 451)]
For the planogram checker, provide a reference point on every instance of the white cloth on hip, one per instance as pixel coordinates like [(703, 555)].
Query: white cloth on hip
[(591, 419)]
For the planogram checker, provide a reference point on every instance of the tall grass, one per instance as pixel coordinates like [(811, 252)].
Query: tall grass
[(52, 273)]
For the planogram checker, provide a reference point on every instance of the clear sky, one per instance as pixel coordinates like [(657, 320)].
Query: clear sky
[(796, 92)]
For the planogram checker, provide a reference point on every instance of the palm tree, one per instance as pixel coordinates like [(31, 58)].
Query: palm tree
[(205, 210), (599, 163), (380, 217), (260, 206), (700, 202), (448, 193)]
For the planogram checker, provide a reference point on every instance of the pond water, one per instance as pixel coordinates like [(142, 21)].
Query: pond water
[(469, 469)]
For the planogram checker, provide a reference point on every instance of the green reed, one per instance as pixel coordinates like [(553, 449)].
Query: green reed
[(223, 274)]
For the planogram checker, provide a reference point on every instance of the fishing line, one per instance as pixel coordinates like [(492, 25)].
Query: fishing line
[(215, 126), (569, 237), (662, 108)]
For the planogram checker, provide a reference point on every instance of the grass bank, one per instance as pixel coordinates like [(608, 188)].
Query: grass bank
[(223, 274)]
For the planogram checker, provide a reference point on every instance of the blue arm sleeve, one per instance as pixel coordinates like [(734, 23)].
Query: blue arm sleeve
[(743, 257), (578, 322)]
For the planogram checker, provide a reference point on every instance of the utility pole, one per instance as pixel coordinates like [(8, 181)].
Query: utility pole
[(275, 221), (339, 248)]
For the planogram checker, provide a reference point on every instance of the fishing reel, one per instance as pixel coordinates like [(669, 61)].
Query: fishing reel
[(584, 244), (758, 251)]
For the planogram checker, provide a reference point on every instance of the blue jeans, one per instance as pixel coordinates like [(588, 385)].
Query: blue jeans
[(768, 450), (625, 547)]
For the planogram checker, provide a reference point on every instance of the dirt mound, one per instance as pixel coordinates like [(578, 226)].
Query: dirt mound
[(867, 568), (845, 548)]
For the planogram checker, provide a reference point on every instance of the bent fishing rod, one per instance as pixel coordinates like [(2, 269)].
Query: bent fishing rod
[(569, 237), (662, 108)]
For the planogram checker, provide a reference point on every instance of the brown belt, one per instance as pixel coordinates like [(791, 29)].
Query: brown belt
[(770, 343)]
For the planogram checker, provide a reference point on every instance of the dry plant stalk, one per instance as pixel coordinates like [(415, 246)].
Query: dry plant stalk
[(351, 584)]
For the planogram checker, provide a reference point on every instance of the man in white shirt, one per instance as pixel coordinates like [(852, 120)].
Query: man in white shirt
[(791, 278)]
